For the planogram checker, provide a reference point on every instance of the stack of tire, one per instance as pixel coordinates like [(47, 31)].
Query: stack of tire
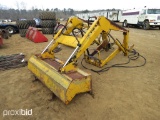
[(23, 25), (48, 21)]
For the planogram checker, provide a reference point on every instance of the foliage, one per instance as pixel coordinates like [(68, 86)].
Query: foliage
[(15, 14)]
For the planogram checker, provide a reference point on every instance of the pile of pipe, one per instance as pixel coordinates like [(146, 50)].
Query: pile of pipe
[(12, 61)]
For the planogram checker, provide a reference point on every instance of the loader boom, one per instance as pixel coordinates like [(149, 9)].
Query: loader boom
[(100, 26)]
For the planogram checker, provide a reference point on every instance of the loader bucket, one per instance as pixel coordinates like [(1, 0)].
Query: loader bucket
[(34, 35), (64, 85)]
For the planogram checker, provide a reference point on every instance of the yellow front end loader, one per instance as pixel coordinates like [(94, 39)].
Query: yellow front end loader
[(64, 78)]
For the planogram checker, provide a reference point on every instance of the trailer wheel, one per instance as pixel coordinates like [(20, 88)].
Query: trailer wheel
[(10, 29), (146, 25), (125, 23)]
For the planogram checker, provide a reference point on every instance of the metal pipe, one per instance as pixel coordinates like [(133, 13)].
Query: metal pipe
[(47, 46), (71, 56)]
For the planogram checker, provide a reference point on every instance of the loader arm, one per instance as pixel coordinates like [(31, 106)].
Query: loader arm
[(100, 25)]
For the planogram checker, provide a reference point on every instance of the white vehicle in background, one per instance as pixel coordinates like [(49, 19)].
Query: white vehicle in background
[(146, 18), (112, 14)]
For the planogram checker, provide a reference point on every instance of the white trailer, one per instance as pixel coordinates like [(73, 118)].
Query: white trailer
[(145, 18), (113, 15)]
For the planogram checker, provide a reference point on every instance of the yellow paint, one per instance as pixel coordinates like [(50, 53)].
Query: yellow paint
[(68, 40), (58, 82), (63, 87)]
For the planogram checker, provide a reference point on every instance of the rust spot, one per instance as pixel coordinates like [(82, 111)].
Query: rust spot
[(74, 75), (53, 63)]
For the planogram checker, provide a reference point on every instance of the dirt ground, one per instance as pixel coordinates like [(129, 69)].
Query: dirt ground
[(120, 93)]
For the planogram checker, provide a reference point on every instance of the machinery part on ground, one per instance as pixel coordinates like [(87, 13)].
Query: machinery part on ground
[(48, 23), (47, 15), (47, 30), (35, 35), (22, 32), (65, 79), (12, 61), (65, 86)]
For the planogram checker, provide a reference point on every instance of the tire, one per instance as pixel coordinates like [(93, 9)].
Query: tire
[(48, 30), (10, 29), (146, 25), (48, 23), (47, 15), (22, 32), (22, 24), (25, 24), (125, 24), (31, 23)]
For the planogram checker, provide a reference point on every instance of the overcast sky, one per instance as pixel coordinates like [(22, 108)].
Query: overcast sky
[(80, 4)]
